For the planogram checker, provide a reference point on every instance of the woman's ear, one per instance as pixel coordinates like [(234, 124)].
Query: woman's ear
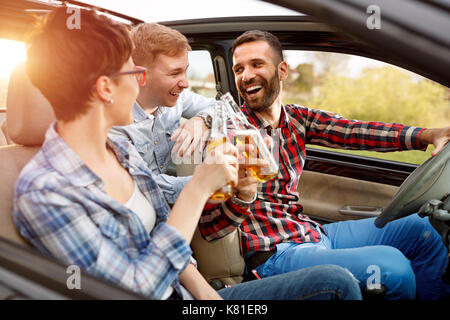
[(283, 70), (103, 89)]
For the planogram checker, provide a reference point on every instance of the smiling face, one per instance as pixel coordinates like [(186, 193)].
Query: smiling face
[(257, 76), (166, 79)]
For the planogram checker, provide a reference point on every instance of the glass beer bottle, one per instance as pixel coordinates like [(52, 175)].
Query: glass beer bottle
[(219, 135), (246, 133), (247, 137)]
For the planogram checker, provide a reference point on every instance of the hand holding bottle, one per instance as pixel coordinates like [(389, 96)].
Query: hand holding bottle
[(246, 133), (219, 168), (248, 182)]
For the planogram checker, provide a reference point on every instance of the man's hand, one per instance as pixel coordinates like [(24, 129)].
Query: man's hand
[(190, 135), (439, 137), (247, 183)]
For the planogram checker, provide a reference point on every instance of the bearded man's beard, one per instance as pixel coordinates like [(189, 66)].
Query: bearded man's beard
[(271, 91)]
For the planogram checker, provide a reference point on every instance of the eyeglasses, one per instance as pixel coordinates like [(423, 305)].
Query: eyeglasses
[(139, 72)]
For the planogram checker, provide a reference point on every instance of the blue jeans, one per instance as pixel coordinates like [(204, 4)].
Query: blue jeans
[(407, 256), (325, 282)]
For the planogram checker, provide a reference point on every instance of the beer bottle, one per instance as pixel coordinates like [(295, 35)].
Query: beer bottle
[(218, 136), (246, 133)]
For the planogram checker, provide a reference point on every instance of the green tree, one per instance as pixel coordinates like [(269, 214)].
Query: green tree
[(389, 95), (384, 94), (305, 79)]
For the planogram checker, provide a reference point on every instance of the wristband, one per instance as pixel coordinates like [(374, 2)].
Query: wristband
[(242, 203)]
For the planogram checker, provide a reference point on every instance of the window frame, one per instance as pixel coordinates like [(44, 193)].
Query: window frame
[(325, 161)]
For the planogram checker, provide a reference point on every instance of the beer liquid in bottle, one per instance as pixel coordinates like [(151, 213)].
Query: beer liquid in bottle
[(248, 137), (219, 135), (246, 133)]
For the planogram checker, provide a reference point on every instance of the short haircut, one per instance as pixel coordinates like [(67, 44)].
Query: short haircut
[(258, 35), (151, 39), (64, 63)]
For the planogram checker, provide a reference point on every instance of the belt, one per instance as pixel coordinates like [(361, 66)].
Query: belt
[(254, 261)]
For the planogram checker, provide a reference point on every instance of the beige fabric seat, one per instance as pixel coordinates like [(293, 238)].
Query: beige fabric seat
[(12, 160), (28, 113), (28, 116), (3, 131), (220, 259)]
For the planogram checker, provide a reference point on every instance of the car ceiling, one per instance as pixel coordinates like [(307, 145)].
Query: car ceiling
[(400, 35), (416, 32)]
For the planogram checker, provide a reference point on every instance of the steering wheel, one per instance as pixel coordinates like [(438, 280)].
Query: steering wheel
[(431, 180)]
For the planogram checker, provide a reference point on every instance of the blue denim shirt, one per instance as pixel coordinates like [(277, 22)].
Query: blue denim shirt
[(150, 134)]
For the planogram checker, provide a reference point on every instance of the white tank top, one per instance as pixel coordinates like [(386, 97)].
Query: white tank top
[(144, 209)]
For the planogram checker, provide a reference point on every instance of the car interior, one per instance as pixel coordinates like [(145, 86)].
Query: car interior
[(354, 187), (221, 262)]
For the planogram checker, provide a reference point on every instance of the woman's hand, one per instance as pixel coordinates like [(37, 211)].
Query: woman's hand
[(196, 284), (219, 168)]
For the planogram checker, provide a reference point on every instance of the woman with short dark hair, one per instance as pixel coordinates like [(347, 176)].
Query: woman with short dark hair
[(89, 199)]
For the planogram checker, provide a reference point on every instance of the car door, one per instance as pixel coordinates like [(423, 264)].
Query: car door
[(340, 185), (334, 186)]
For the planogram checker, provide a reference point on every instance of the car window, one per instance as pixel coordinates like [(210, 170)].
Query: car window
[(201, 73), (11, 54), (366, 89)]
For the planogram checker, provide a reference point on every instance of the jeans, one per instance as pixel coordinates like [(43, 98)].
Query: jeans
[(325, 282), (407, 256)]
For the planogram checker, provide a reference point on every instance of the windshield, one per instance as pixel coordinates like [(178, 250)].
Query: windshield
[(157, 10)]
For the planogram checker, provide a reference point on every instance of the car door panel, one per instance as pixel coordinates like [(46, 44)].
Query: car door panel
[(323, 196)]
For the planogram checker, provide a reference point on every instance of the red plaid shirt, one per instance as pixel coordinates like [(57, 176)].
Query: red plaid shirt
[(276, 214)]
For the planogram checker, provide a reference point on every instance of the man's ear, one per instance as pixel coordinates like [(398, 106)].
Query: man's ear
[(283, 70), (103, 88)]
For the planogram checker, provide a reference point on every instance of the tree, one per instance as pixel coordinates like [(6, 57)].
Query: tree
[(385, 94), (330, 62), (305, 79)]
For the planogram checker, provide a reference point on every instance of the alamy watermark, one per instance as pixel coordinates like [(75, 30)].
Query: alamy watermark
[(74, 279), (374, 280), (373, 22), (74, 19), (197, 157)]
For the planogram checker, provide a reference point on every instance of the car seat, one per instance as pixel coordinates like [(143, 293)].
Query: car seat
[(28, 116), (219, 261), (3, 131)]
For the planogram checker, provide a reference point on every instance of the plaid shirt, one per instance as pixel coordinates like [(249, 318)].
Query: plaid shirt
[(61, 207), (276, 214)]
